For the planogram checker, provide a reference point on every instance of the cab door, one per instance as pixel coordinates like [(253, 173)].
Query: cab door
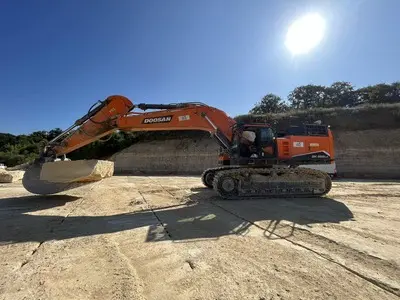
[(266, 142)]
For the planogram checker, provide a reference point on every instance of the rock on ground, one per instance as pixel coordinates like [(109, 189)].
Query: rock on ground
[(77, 170), (10, 176)]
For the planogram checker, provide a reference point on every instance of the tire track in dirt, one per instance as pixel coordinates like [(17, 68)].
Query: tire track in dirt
[(307, 240), (129, 287), (369, 235)]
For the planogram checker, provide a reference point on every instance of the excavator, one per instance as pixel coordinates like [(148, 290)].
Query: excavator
[(253, 161)]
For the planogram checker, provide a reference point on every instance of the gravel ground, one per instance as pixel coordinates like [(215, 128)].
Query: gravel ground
[(170, 238)]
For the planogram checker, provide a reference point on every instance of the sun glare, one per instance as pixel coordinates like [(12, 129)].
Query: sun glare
[(305, 34)]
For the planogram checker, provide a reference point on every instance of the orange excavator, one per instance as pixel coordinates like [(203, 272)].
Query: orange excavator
[(253, 161)]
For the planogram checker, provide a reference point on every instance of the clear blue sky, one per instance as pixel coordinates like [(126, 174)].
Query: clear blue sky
[(59, 57)]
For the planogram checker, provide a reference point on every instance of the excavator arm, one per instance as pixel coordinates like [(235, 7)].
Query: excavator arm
[(115, 113)]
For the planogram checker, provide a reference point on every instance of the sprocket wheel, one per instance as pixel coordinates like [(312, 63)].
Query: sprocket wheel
[(226, 185)]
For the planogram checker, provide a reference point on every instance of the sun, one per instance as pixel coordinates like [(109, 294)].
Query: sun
[(305, 34)]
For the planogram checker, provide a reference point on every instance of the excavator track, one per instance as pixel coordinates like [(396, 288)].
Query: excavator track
[(239, 183)]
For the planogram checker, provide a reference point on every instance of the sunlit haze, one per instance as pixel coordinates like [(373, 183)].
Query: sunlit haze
[(305, 34)]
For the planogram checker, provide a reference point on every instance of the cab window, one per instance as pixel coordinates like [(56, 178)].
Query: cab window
[(266, 135)]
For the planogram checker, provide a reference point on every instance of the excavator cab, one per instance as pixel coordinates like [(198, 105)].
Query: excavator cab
[(264, 145), (258, 145), (252, 144)]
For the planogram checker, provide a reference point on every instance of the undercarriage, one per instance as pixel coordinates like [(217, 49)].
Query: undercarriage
[(233, 182)]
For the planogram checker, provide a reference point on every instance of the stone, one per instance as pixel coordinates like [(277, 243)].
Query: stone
[(10, 176), (5, 177), (76, 171)]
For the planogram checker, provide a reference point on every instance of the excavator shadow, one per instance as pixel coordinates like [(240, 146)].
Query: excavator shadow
[(203, 216), (19, 205), (211, 217)]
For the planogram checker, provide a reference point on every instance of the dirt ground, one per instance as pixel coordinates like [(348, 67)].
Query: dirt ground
[(170, 238)]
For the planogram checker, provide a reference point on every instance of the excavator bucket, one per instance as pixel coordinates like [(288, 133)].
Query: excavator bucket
[(55, 177)]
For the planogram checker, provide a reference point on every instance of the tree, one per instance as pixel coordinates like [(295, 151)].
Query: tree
[(6, 140), (363, 95), (396, 91), (54, 133), (342, 94), (386, 93), (379, 93), (309, 96), (270, 103), (38, 136)]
